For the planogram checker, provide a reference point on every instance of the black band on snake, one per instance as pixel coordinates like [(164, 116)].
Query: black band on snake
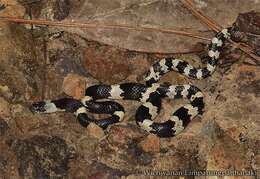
[(149, 94)]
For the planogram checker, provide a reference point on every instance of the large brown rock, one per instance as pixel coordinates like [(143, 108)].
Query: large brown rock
[(5, 109), (74, 85), (107, 64)]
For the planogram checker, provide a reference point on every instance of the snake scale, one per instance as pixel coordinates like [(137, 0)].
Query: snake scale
[(149, 94)]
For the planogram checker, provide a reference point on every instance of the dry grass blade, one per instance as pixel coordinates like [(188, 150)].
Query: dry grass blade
[(103, 26), (201, 16)]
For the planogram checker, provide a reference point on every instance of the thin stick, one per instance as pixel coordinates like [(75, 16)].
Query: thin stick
[(203, 18), (103, 26)]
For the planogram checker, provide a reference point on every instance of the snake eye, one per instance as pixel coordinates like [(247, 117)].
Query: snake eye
[(38, 107)]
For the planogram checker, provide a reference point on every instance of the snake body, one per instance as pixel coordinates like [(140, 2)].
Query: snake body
[(149, 94)]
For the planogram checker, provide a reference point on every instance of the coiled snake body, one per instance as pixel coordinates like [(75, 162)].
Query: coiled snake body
[(149, 94)]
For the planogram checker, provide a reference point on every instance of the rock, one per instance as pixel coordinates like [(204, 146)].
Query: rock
[(86, 146), (3, 164), (155, 14), (121, 135), (221, 149), (42, 157), (19, 70), (100, 170), (7, 161), (74, 85), (53, 10), (5, 91), (248, 25), (221, 98), (18, 109), (246, 73), (139, 67), (256, 162), (151, 144), (12, 9), (95, 131), (3, 127), (67, 54), (252, 87), (249, 22), (169, 162), (121, 148), (225, 154), (5, 110), (107, 64), (126, 157), (24, 120), (230, 140)]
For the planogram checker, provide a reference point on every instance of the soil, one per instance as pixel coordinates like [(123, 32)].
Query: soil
[(39, 63)]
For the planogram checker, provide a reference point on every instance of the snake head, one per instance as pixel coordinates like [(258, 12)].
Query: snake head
[(38, 107)]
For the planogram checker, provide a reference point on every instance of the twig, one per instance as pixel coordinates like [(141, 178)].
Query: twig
[(103, 26), (214, 26), (201, 16), (249, 64)]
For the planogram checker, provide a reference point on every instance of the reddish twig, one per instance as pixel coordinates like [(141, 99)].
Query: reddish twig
[(201, 16), (103, 26)]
